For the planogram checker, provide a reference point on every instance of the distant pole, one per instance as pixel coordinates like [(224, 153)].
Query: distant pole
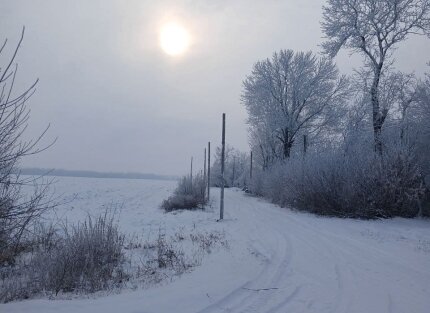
[(209, 169), (234, 170), (204, 174), (204, 168), (250, 169), (221, 209), (191, 171)]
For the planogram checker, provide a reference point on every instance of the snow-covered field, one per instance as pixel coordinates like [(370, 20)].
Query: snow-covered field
[(278, 260)]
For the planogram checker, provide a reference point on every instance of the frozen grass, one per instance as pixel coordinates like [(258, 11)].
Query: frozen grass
[(94, 255), (82, 258)]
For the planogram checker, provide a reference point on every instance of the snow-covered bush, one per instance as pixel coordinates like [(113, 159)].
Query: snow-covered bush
[(83, 258), (87, 259), (356, 183), (257, 183), (189, 194), (94, 256), (421, 116)]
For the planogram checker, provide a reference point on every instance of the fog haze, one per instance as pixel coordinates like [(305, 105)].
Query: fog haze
[(116, 102)]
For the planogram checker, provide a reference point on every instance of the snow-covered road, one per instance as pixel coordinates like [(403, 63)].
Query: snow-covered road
[(312, 264), (284, 261)]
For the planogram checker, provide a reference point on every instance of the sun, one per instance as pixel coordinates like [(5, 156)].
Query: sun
[(174, 39)]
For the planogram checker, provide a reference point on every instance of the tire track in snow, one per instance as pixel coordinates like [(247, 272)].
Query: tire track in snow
[(309, 266), (285, 302), (250, 297), (277, 272)]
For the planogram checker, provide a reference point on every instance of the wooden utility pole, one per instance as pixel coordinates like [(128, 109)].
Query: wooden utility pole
[(191, 171), (250, 167), (234, 170), (221, 208), (204, 174), (209, 169), (204, 168)]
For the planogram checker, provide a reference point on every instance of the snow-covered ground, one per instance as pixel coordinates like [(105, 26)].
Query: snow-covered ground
[(278, 261)]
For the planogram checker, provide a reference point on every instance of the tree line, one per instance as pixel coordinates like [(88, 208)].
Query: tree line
[(325, 142)]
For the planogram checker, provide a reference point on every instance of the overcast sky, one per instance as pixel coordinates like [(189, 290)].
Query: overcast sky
[(117, 102)]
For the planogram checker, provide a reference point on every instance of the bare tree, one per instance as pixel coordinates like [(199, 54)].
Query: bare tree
[(293, 93), (374, 28), (17, 210)]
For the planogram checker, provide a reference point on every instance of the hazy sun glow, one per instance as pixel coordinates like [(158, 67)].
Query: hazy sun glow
[(174, 39)]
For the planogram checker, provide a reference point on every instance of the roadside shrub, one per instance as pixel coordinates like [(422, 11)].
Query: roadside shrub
[(357, 183), (189, 194), (84, 258), (256, 184), (93, 256), (87, 259)]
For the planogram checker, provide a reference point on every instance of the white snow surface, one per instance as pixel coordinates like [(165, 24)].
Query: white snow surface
[(279, 260)]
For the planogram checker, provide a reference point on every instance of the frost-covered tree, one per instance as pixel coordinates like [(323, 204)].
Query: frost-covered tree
[(397, 95), (236, 169), (292, 94), (264, 146), (405, 101), (374, 28)]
